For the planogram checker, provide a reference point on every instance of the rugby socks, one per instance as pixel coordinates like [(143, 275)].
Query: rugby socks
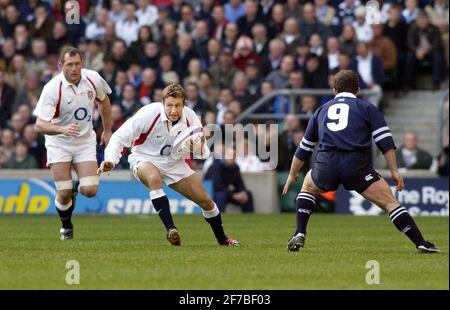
[(65, 213), (162, 207), (405, 223), (305, 206), (215, 220)]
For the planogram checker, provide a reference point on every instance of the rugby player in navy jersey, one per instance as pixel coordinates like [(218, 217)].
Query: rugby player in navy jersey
[(343, 129)]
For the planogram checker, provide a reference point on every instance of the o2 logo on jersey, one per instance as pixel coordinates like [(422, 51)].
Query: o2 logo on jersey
[(166, 150), (81, 114), (339, 114), (373, 14)]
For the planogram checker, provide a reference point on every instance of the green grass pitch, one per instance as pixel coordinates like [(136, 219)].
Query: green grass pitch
[(131, 252)]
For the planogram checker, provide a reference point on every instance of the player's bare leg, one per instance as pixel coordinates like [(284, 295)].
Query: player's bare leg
[(88, 178), (305, 203), (151, 178), (61, 174), (193, 189), (380, 194)]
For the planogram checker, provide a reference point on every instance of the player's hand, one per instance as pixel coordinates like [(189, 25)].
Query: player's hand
[(398, 180), (291, 178), (72, 130), (105, 166), (106, 135)]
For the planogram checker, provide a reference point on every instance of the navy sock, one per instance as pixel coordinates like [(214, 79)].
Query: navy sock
[(305, 206), (66, 217), (405, 223), (216, 226), (162, 206)]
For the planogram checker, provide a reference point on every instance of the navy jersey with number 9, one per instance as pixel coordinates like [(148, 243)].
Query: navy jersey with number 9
[(345, 123)]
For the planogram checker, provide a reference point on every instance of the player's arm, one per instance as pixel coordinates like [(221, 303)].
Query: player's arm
[(303, 152), (382, 137), (45, 111), (123, 138), (104, 108), (46, 127), (204, 150)]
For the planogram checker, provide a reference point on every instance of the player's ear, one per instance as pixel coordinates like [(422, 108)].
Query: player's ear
[(335, 91), (357, 92)]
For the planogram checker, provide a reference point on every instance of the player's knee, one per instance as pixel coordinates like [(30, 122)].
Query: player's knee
[(88, 191), (154, 181), (64, 196)]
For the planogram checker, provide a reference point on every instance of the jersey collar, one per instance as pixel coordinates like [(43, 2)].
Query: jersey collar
[(345, 94)]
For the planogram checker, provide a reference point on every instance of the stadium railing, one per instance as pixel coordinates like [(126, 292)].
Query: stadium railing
[(443, 118)]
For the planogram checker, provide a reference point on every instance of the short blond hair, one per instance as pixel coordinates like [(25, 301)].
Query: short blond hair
[(175, 91)]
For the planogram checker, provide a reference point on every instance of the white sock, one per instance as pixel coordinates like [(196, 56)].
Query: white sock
[(157, 193), (211, 213), (62, 207)]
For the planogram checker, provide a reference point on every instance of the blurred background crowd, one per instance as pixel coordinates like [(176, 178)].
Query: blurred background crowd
[(227, 54)]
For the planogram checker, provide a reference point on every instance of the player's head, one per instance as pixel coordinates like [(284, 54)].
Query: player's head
[(71, 62), (346, 81), (173, 98)]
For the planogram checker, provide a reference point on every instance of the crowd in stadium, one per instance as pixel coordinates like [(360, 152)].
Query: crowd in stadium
[(227, 54)]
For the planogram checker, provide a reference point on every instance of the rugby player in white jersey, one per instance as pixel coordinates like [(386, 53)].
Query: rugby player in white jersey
[(148, 133), (64, 114)]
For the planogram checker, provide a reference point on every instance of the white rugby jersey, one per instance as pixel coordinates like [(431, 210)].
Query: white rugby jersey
[(147, 133), (64, 103)]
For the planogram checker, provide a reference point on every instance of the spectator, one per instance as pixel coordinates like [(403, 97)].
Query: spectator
[(30, 93), (369, 70), (290, 35), (120, 55), (225, 97), (212, 55), (194, 101), (280, 78), (200, 38), (276, 23), (187, 24), (231, 36), (383, 48), (175, 10), (219, 23), (324, 13), (151, 55), (278, 104), (409, 14), (424, 42), (58, 39), (292, 8), (138, 47), (93, 58), (233, 10), (346, 12), (363, 30), (117, 12), (260, 40), (228, 185), (438, 14), (97, 28), (240, 90), (254, 78), (75, 31), (273, 61), (37, 63), (316, 45), (410, 156), (116, 117), (290, 124), (16, 124), (309, 24), (223, 71), (250, 18), (129, 104), (10, 20), (308, 105), (244, 53), (208, 92), (35, 147), (168, 41), (128, 28), (316, 72), (194, 69), (332, 53), (7, 96), (185, 52), (348, 40), (22, 39), (148, 85), (6, 145), (147, 13), (167, 74), (20, 158)]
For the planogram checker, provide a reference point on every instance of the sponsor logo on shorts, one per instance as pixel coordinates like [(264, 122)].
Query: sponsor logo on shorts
[(369, 177)]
